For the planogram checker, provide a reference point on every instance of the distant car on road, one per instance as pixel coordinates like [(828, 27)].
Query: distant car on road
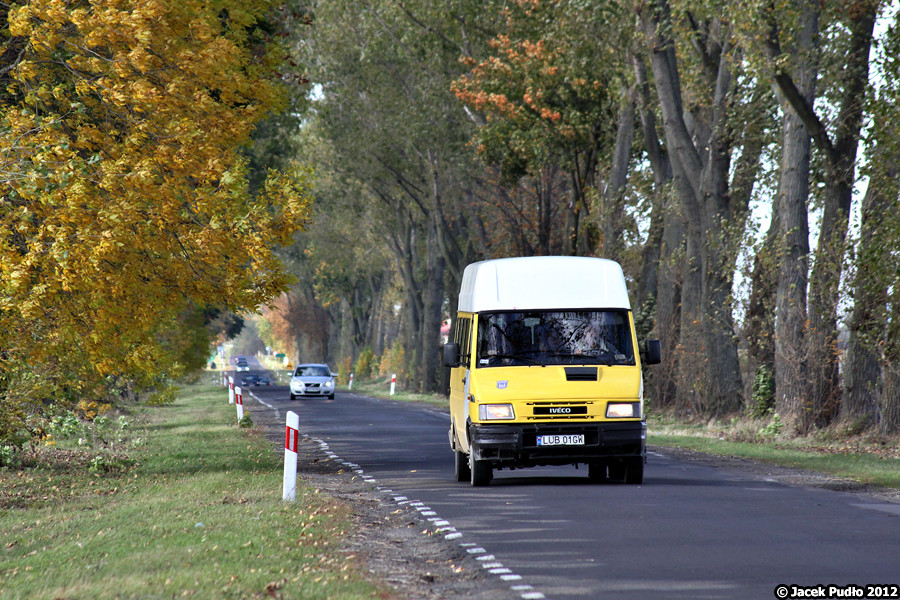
[(250, 380), (312, 379), (263, 381)]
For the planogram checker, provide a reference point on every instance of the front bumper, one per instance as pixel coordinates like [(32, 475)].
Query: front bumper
[(515, 445), (320, 391)]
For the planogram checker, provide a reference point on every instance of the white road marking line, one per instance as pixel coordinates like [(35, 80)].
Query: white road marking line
[(495, 567)]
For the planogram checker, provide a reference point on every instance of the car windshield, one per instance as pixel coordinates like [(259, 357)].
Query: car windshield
[(312, 372), (601, 337)]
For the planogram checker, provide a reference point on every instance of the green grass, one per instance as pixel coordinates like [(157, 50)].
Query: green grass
[(381, 388), (194, 511)]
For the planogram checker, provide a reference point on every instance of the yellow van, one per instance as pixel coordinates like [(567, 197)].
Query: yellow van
[(545, 369)]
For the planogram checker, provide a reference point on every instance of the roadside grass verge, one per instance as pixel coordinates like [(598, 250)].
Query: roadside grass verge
[(189, 506), (381, 388), (871, 460)]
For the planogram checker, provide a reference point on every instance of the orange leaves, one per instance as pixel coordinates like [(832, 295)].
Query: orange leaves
[(539, 88), (550, 115)]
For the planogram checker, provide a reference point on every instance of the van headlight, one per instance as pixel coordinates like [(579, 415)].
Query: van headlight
[(622, 410), (495, 412)]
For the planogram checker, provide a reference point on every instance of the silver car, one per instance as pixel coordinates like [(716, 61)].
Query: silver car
[(312, 380)]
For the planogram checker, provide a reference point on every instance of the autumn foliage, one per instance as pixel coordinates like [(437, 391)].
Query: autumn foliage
[(541, 92), (125, 199)]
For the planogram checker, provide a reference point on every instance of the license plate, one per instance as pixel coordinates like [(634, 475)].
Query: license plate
[(561, 440)]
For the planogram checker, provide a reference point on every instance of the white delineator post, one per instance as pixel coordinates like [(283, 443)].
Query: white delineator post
[(239, 401), (230, 389), (393, 383), (350, 387), (291, 441)]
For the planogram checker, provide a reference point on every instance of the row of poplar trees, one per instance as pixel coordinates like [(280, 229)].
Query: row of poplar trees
[(738, 157)]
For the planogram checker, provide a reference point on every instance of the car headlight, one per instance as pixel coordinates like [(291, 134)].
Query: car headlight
[(622, 410), (329, 383), (493, 412)]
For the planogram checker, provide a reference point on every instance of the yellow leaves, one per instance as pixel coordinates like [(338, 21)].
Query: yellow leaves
[(91, 409), (128, 180), (19, 17)]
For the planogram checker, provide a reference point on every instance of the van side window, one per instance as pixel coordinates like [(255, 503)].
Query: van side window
[(463, 337)]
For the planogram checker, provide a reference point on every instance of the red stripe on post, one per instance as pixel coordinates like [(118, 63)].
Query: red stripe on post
[(291, 439)]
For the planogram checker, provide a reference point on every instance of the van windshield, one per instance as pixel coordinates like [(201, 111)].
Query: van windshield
[(583, 337)]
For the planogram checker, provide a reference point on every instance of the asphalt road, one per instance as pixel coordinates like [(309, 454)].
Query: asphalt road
[(688, 532)]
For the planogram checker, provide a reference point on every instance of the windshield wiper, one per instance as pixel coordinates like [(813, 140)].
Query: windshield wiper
[(608, 360), (517, 356)]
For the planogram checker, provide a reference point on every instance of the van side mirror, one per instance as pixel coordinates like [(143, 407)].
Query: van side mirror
[(652, 352), (451, 354)]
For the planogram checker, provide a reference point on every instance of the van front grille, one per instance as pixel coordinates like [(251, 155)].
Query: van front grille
[(560, 411)]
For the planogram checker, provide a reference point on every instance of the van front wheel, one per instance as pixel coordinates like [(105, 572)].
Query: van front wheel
[(634, 471), (481, 472), (597, 472), (461, 466)]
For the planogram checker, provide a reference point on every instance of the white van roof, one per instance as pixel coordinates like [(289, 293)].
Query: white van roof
[(543, 282)]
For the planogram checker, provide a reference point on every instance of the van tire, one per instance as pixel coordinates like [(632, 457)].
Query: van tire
[(597, 472), (461, 466), (481, 472), (634, 471), (616, 470)]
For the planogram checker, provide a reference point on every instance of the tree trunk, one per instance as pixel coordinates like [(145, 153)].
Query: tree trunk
[(890, 397), (791, 379), (433, 297), (790, 295), (823, 396), (826, 275), (691, 353), (863, 364), (701, 167), (668, 303), (612, 212), (666, 260), (720, 207), (760, 328)]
